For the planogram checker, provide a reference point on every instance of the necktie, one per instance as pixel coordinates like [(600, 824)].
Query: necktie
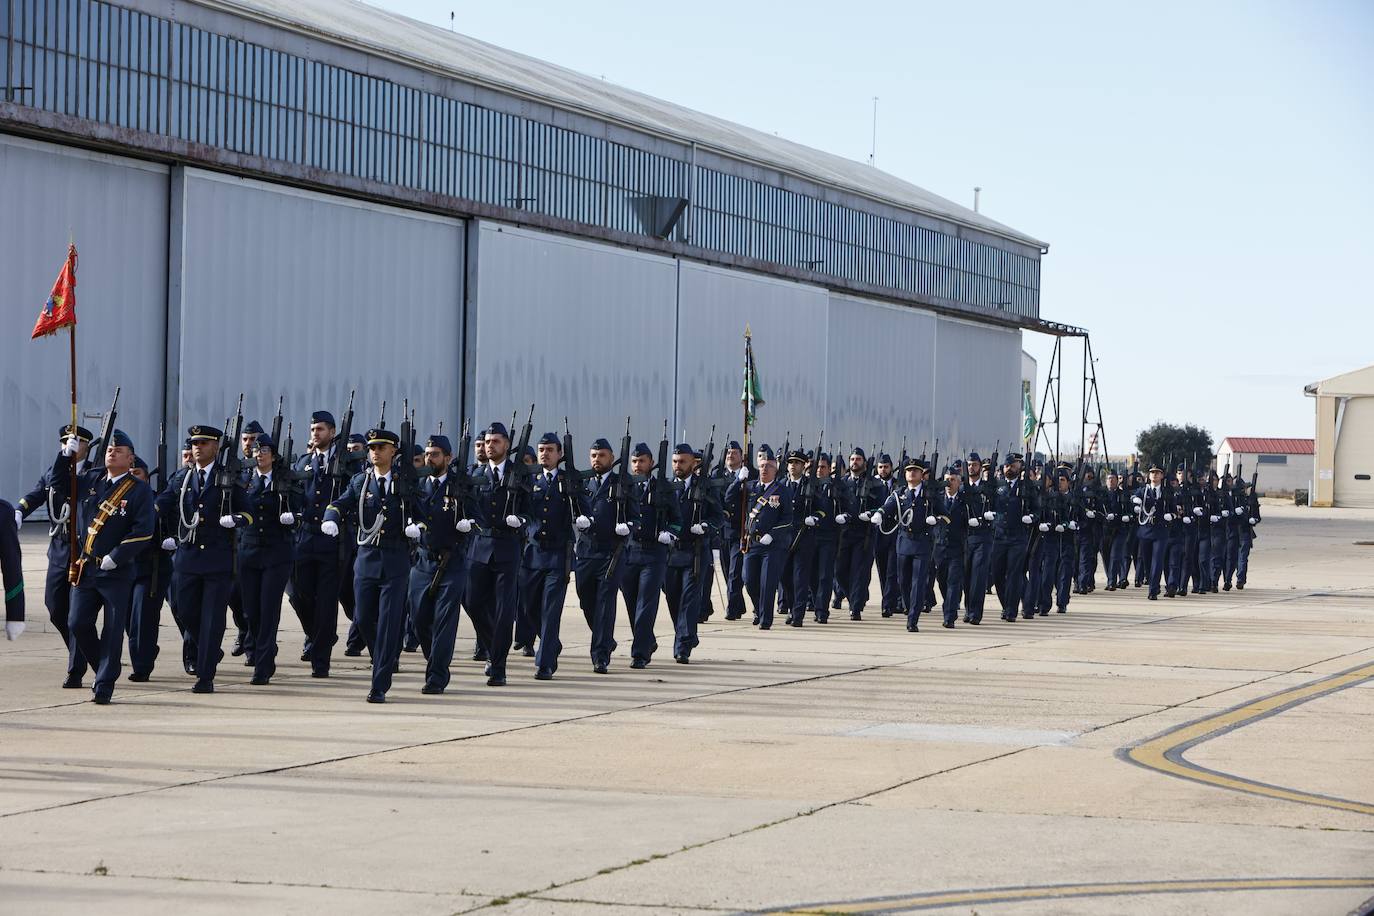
[(381, 486), (262, 482), (200, 480)]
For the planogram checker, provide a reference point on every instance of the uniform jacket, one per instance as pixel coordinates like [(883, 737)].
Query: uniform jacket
[(387, 553), (204, 547), (126, 531)]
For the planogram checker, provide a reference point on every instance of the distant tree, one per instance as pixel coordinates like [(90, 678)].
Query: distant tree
[(1165, 442)]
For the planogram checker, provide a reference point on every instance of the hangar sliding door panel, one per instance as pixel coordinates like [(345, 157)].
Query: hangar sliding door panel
[(307, 295), (977, 386), (880, 374), (579, 329), (116, 211), (1354, 459), (788, 321)]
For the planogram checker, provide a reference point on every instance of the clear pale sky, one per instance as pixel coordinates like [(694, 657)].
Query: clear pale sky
[(1204, 172)]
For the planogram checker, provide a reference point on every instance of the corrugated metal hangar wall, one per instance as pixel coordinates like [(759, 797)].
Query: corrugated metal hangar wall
[(194, 286)]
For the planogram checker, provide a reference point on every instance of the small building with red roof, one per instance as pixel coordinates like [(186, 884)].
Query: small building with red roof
[(1284, 465)]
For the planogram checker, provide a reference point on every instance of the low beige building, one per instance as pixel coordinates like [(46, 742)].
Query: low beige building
[(1343, 472)]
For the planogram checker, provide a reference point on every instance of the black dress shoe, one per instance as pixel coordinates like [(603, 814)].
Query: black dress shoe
[(756, 619), (411, 647), (1045, 612), (324, 673), (948, 626), (1240, 586), (376, 697), (912, 628), (517, 645), (1169, 593), (1152, 597), (639, 664), (249, 663), (431, 689), (138, 677), (887, 613), (682, 659), (238, 646), (528, 652), (72, 682), (599, 669), (733, 616), (835, 605), (1110, 587), (543, 674), (496, 680), (822, 620), (260, 680), (1062, 610), (765, 626), (974, 623), (1226, 587), (100, 699), (190, 668), (353, 653), (203, 687), (480, 655), (855, 615), (305, 656)]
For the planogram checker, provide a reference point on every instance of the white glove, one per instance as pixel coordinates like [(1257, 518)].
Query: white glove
[(974, 522), (18, 519), (766, 540), (70, 446), (1197, 510), (810, 521), (1254, 521), (930, 520), (13, 628), (464, 525), (1073, 526), (1026, 520), (287, 518), (330, 528), (622, 529), (582, 522), (875, 519), (1187, 520), (866, 516), (698, 529), (513, 521), (1225, 512), (1044, 526), (1168, 516), (1091, 514), (413, 531), (107, 563), (989, 516), (1111, 516), (1136, 500), (169, 544), (1058, 529), (666, 537), (841, 519), (1214, 519), (742, 474)]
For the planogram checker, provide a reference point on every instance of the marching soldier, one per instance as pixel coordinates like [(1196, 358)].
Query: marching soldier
[(980, 496), (1153, 513), (204, 508), (1116, 520), (1089, 500), (858, 496), (732, 535), (266, 552), (885, 547), (827, 539), (768, 530), (557, 504), (1247, 505), (953, 519), (439, 575), (600, 542), (52, 494), (1015, 505), (152, 576), (243, 637), (912, 511), (646, 556), (114, 524), (386, 520), (689, 574), (810, 509)]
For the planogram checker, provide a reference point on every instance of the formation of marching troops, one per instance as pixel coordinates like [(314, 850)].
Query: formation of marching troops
[(408, 537)]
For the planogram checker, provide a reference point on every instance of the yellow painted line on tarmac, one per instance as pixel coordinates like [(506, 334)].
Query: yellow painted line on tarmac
[(902, 904), (1164, 752)]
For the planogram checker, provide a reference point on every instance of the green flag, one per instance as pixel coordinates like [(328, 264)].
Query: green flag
[(1027, 408), (752, 396)]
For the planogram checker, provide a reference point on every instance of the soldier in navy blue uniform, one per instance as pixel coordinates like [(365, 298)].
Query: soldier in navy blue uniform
[(646, 555), (1153, 513), (909, 514), (52, 494), (1246, 514), (438, 576), (857, 496), (1117, 519), (1232, 518), (601, 538), (266, 552), (732, 555), (980, 495), (114, 524), (768, 528), (1057, 555), (243, 638), (1015, 504), (557, 505), (151, 577), (953, 519), (11, 570), (204, 510), (387, 519), (885, 546), (320, 560), (689, 573), (811, 507), (500, 507), (1088, 497), (827, 538)]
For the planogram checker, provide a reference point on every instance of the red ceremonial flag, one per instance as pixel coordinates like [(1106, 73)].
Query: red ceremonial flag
[(60, 310)]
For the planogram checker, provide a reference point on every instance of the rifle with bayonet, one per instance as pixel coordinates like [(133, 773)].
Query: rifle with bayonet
[(456, 485), (339, 465), (806, 493), (623, 496), (701, 489), (229, 461)]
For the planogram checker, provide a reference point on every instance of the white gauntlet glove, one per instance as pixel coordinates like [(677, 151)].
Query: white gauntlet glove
[(464, 525), (413, 531), (622, 529), (1044, 526), (930, 520), (989, 516), (107, 563), (766, 540), (742, 474), (70, 446), (866, 516), (1197, 510), (226, 521), (666, 537), (1073, 526), (875, 519), (1111, 516), (286, 518), (1058, 529), (974, 522), (169, 544), (1187, 519), (1026, 520), (18, 519), (582, 522), (1136, 500), (1225, 513), (329, 528), (1091, 514), (1254, 521), (1168, 516), (1214, 519), (810, 521), (841, 519), (513, 521), (698, 530)]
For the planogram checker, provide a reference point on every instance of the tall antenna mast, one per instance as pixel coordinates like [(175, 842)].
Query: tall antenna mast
[(873, 148)]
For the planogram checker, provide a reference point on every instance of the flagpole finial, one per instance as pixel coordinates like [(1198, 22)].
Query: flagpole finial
[(747, 333)]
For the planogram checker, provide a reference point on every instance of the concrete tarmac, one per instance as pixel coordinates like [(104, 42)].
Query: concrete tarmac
[(1207, 754)]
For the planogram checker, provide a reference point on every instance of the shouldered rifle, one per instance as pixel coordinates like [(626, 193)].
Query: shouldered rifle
[(338, 461), (403, 468), (519, 476), (229, 461), (576, 478), (106, 430), (622, 494), (659, 489), (276, 426), (933, 470), (456, 484), (701, 485), (160, 471)]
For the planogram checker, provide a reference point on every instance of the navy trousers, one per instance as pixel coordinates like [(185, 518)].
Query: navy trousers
[(262, 589), (597, 582), (104, 649), (145, 616), (734, 580), (976, 567), (493, 592), (315, 597), (854, 569), (912, 574), (203, 602), (823, 577), (762, 574), (544, 591), (641, 585), (684, 588), (379, 607), (436, 617), (57, 596), (949, 572)]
